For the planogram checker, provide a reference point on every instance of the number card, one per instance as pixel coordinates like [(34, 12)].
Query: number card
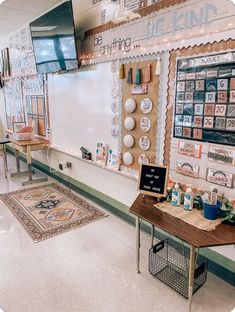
[(232, 83), (210, 97), (222, 84), (208, 122), (232, 96), (188, 97), (197, 134), (178, 131), (181, 86), (222, 97), (200, 85), (230, 125), (186, 132), (190, 85), (198, 109), (220, 110), (197, 121), (220, 123), (179, 109), (153, 180), (231, 111), (187, 121), (220, 177), (209, 109)]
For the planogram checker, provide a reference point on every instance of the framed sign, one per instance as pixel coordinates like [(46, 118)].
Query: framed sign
[(205, 99), (220, 177), (153, 180)]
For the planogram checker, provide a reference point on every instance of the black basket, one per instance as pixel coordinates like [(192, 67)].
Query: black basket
[(169, 262)]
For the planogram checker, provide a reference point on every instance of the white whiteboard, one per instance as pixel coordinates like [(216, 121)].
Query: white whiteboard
[(80, 109)]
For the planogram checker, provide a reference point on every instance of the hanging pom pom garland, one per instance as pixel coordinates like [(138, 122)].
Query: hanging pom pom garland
[(138, 76), (147, 77), (122, 71), (158, 67), (129, 76)]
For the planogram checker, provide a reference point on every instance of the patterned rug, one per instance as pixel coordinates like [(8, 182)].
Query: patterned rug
[(48, 210)]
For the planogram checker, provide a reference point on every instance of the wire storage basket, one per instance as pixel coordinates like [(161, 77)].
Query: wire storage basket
[(169, 262)]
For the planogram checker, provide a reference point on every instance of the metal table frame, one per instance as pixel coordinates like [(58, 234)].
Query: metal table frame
[(144, 209)]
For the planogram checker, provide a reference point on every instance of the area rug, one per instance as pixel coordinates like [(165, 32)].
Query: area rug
[(48, 210)]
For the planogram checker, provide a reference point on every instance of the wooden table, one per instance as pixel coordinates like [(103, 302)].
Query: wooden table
[(143, 208), (27, 147)]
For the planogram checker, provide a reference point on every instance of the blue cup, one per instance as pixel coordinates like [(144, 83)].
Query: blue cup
[(211, 211)]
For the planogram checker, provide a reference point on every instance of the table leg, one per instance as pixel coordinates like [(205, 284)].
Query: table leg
[(5, 154), (18, 172), (152, 234), (17, 155), (138, 243), (191, 276), (30, 171)]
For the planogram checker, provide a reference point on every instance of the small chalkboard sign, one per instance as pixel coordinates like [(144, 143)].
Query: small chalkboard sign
[(153, 180)]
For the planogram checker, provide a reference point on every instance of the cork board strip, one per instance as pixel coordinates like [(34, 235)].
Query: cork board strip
[(153, 94), (174, 55)]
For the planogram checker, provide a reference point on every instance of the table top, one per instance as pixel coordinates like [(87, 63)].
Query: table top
[(143, 208), (4, 141), (30, 142)]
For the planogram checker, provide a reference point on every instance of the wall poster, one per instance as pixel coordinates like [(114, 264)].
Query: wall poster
[(205, 99)]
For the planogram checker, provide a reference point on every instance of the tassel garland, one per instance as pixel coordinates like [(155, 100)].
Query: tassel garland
[(122, 71), (129, 76), (138, 77), (147, 77)]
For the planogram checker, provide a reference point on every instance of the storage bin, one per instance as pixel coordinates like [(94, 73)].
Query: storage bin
[(23, 136), (169, 262), (211, 211)]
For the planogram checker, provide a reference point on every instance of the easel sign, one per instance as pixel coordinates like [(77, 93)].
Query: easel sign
[(153, 180)]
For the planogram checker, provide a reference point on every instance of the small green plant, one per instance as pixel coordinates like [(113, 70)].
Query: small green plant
[(227, 211)]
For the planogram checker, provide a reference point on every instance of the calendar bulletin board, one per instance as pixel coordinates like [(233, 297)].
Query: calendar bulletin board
[(205, 98), (145, 119)]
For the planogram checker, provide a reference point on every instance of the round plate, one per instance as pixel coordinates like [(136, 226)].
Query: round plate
[(143, 159), (129, 123), (128, 140), (145, 124), (146, 106), (144, 143), (130, 105), (128, 158)]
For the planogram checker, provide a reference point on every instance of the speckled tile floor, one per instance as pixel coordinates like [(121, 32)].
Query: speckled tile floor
[(91, 269)]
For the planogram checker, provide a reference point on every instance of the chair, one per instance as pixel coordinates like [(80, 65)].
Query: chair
[(4, 156)]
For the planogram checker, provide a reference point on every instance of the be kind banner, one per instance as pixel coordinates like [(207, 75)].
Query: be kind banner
[(194, 21)]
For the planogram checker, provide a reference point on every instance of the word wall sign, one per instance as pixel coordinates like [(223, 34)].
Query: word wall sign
[(220, 177), (205, 99)]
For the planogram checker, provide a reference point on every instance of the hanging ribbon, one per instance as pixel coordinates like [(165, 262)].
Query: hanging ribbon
[(138, 77), (122, 71), (129, 76), (147, 77), (158, 67)]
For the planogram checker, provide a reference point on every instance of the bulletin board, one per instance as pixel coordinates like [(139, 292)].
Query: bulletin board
[(152, 94), (191, 52), (205, 98), (26, 101)]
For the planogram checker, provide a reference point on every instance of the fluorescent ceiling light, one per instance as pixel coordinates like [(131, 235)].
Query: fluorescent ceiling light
[(1, 1), (43, 28)]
